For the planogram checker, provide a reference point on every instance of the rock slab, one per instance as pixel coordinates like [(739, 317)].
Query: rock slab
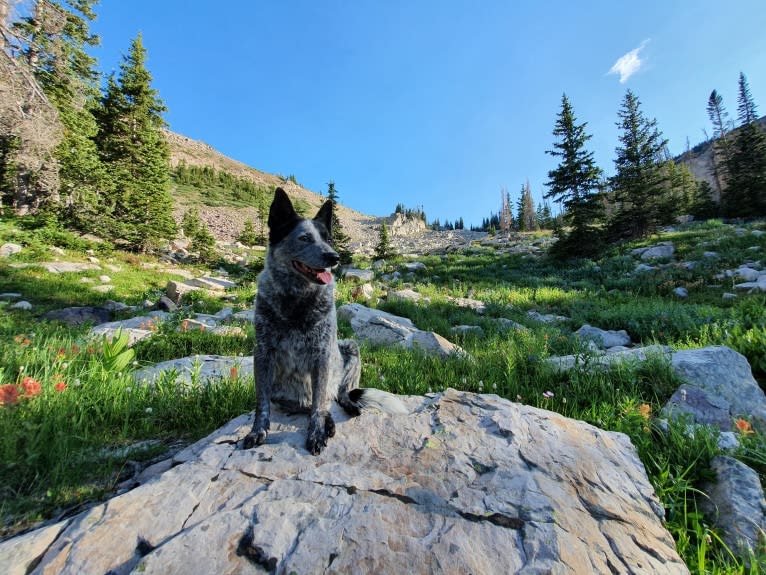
[(465, 483)]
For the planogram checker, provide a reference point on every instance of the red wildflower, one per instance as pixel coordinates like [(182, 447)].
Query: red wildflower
[(74, 350), (60, 386), (233, 372), (9, 394), (743, 426), (31, 387)]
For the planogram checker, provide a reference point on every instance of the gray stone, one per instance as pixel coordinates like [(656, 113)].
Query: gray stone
[(747, 274), (80, 315), (363, 292), (759, 285), (9, 249), (699, 406), (586, 361), (546, 318), (176, 291), (478, 306), (10, 295), (104, 279), (205, 369), (681, 292), (383, 328), (465, 484), (211, 283), (404, 295), (103, 288), (603, 338), (728, 296), (506, 323), (642, 268), (728, 441), (358, 275), (722, 372), (468, 329), (660, 251), (414, 266), (68, 267), (735, 504)]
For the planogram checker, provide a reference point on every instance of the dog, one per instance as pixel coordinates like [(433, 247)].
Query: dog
[(299, 362)]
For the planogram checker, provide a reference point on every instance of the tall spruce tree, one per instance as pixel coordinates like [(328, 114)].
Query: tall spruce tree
[(575, 183), (746, 191), (639, 183), (527, 215), (719, 117), (340, 240), (136, 154)]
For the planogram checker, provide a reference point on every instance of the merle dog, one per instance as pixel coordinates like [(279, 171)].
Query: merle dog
[(299, 362)]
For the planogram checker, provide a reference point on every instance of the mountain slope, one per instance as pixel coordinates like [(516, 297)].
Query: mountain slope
[(226, 223)]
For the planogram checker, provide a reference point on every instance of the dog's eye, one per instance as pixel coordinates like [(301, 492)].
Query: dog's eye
[(305, 238)]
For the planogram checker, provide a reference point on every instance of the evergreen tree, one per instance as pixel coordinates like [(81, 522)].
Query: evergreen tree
[(383, 249), (575, 183), (527, 215), (202, 241), (719, 117), (340, 240), (639, 183), (133, 147), (248, 235), (745, 194)]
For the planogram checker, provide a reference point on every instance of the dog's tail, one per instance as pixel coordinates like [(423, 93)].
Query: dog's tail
[(371, 398)]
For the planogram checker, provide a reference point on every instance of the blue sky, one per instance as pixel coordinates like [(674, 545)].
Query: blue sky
[(439, 104)]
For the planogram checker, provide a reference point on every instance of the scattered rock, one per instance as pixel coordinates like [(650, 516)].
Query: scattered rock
[(80, 315), (736, 504), (175, 291), (546, 318), (604, 338), (363, 292), (728, 296), (643, 268), (382, 328), (10, 295), (468, 329), (506, 323), (478, 306), (9, 249), (205, 369), (358, 275), (21, 305), (636, 354), (681, 292), (660, 251), (211, 283), (723, 373), (68, 267), (700, 407), (414, 266), (404, 295)]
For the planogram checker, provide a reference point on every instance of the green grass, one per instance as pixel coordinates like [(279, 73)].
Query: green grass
[(64, 447)]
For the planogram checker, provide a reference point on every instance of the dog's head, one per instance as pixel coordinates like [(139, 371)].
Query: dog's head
[(305, 245)]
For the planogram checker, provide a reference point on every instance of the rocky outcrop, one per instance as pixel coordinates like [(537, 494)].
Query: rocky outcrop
[(466, 483)]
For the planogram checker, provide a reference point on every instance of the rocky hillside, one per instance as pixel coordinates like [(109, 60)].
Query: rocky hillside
[(700, 162), (226, 223)]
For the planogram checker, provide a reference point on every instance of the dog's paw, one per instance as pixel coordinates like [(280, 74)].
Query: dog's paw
[(320, 429), (255, 437)]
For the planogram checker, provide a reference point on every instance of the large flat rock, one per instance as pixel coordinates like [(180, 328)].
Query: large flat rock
[(465, 484)]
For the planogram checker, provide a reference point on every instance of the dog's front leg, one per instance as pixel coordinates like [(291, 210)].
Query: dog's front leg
[(264, 383), (321, 424)]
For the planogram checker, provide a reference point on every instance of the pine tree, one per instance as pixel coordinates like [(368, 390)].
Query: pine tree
[(133, 147), (340, 240), (248, 235), (575, 183), (745, 194), (639, 183), (383, 249), (719, 117)]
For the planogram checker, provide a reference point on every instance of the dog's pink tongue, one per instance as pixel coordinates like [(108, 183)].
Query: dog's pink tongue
[(324, 277)]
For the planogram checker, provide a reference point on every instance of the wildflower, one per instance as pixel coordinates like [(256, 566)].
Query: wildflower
[(22, 340), (21, 369), (494, 387), (683, 395), (128, 390), (464, 381), (64, 365), (185, 325), (60, 386), (76, 382), (547, 394), (149, 410), (743, 426), (31, 386), (563, 399), (74, 350), (9, 394), (61, 354), (233, 372), (518, 397), (645, 410)]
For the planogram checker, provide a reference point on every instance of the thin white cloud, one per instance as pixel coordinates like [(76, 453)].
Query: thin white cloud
[(628, 64)]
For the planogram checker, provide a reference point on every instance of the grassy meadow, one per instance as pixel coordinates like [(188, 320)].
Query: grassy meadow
[(76, 422)]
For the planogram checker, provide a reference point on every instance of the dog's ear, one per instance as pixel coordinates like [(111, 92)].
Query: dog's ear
[(324, 216), (282, 216)]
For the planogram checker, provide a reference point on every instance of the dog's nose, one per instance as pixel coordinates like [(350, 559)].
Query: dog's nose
[(332, 258)]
